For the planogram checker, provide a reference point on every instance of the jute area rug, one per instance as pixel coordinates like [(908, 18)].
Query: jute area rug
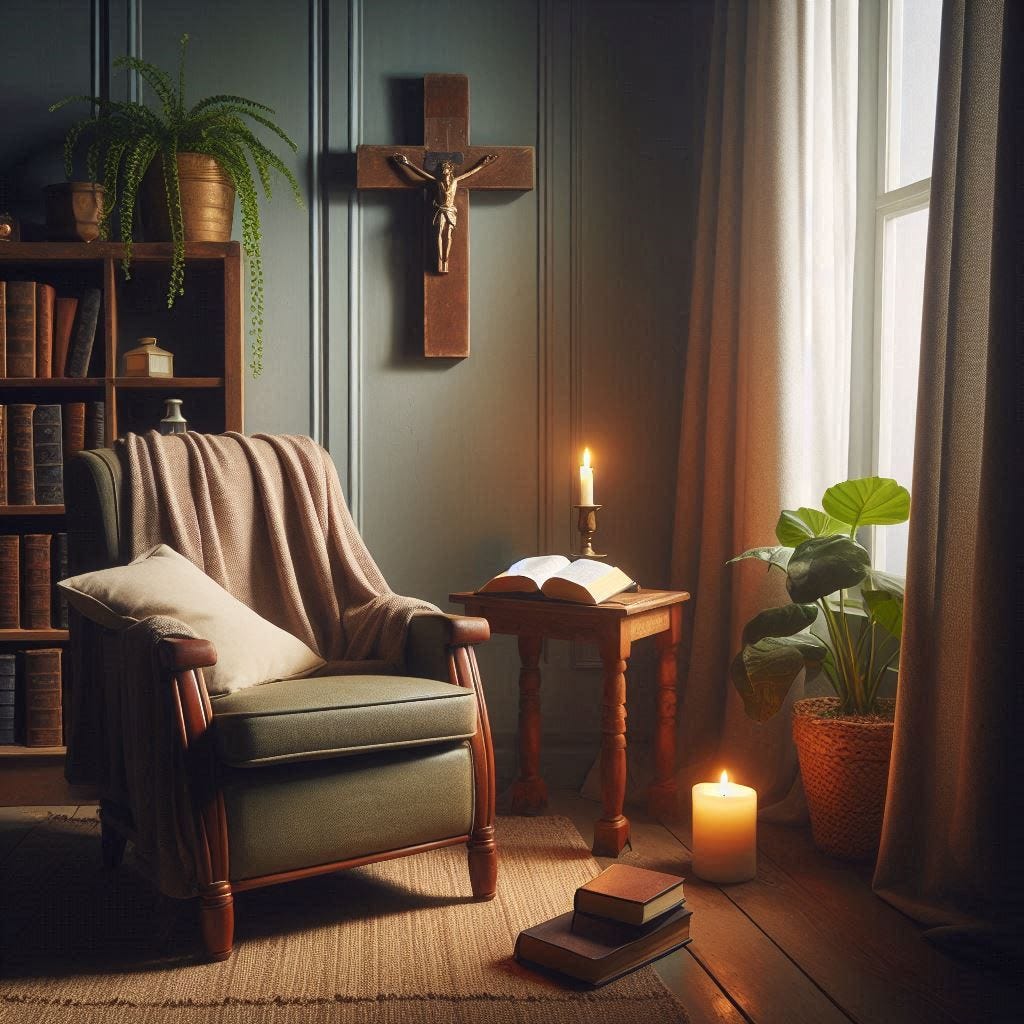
[(395, 942)]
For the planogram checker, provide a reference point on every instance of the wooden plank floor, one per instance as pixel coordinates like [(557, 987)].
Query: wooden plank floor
[(806, 942)]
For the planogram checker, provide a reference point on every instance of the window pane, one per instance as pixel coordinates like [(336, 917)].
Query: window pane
[(903, 251), (914, 69)]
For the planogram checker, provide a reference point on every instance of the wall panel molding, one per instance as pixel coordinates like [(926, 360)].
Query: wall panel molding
[(355, 240), (547, 491), (318, 254)]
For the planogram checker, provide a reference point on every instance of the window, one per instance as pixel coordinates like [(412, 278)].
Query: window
[(895, 138)]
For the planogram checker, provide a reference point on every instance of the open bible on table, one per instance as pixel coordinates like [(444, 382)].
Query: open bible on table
[(583, 581)]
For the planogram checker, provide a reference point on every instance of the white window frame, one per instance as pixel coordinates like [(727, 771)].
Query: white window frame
[(870, 430)]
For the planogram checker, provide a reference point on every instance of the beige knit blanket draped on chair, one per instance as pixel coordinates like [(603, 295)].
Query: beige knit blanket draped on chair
[(265, 517)]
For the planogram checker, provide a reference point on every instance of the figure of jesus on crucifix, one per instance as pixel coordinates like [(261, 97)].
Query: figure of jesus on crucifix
[(445, 214)]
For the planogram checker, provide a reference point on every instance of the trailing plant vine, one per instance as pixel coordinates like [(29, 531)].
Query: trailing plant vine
[(127, 137)]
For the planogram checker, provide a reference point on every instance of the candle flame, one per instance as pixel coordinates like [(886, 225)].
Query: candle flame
[(586, 458), (724, 782)]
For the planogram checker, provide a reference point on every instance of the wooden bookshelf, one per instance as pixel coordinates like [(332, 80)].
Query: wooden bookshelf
[(204, 331)]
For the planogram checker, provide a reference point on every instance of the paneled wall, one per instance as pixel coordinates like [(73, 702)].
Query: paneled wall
[(579, 289)]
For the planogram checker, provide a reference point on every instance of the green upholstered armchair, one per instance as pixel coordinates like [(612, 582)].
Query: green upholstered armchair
[(282, 780)]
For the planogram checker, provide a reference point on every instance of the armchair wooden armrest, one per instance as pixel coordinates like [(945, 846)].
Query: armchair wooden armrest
[(185, 659), (440, 647), (432, 637)]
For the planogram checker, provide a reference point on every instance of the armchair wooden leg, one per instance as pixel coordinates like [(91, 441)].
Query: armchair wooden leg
[(483, 863), (217, 919)]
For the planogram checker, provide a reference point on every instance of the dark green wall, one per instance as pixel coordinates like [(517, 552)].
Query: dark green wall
[(579, 289)]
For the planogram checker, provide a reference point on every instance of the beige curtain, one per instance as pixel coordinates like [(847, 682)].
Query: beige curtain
[(951, 853), (766, 390)]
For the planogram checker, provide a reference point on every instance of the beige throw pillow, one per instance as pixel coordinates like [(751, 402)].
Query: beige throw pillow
[(250, 649)]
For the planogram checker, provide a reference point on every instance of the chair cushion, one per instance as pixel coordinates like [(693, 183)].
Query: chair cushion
[(250, 650), (331, 716)]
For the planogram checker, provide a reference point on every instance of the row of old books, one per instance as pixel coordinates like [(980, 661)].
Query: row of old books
[(34, 442), (30, 698), (621, 920), (43, 334), (30, 566)]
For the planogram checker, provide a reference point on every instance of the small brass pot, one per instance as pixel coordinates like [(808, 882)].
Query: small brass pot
[(207, 200), (73, 211)]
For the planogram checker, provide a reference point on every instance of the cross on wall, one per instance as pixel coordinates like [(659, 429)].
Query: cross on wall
[(446, 218)]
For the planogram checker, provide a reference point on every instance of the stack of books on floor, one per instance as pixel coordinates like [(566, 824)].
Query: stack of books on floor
[(624, 918)]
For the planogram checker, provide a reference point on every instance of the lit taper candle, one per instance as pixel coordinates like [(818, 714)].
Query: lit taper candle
[(586, 480)]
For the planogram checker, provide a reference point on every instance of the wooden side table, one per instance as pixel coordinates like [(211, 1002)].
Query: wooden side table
[(612, 626)]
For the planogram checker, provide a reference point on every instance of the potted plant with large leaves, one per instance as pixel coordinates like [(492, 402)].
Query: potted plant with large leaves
[(183, 165), (843, 742)]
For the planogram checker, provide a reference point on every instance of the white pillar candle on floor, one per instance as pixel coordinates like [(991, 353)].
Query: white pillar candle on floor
[(724, 831), (586, 480)]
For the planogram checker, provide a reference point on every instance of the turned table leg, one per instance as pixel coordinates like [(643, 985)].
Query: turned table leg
[(611, 831), (529, 793), (662, 797)]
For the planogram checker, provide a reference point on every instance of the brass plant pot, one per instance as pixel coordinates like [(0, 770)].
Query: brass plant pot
[(207, 200), (845, 767), (73, 211)]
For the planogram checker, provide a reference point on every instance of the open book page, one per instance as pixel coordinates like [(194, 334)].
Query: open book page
[(587, 582), (525, 576)]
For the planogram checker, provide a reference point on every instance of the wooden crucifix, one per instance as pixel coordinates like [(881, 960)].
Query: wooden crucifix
[(444, 168)]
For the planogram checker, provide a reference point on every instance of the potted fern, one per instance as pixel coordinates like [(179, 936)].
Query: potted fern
[(843, 742), (185, 164)]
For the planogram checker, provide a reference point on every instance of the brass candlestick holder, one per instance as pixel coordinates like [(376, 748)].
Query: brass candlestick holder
[(587, 525)]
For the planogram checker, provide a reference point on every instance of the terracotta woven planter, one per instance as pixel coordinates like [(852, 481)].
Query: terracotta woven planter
[(845, 767), (207, 200)]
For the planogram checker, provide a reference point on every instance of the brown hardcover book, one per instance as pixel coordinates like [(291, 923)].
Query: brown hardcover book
[(21, 476), (10, 582), (603, 951), (3, 453), (629, 894), (3, 328), (95, 424), (43, 724), (63, 322), (35, 598), (46, 296), (74, 428), (21, 328)]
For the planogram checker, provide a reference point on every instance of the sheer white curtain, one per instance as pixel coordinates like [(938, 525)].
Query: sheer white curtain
[(766, 392)]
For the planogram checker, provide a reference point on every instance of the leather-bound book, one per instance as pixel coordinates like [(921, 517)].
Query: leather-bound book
[(3, 453), (46, 296), (21, 477), (48, 449), (60, 571), (602, 951), (3, 328), (43, 723), (95, 424), (21, 328), (7, 677), (83, 334), (35, 590), (74, 428), (63, 324), (629, 894), (10, 582)]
